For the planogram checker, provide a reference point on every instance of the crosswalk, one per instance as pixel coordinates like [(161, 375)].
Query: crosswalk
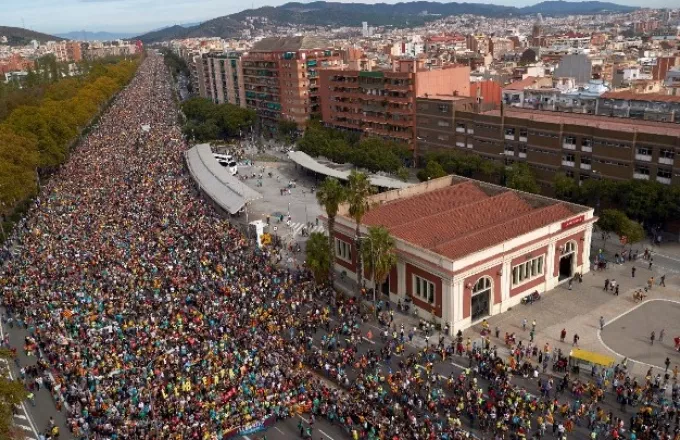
[(21, 417), (295, 228)]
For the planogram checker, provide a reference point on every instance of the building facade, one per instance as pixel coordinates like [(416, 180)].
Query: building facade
[(467, 250), (281, 77), (580, 146), (382, 103), (222, 78)]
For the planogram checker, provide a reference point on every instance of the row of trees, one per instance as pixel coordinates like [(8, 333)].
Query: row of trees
[(613, 221), (35, 139), (372, 153), (207, 121), (375, 251)]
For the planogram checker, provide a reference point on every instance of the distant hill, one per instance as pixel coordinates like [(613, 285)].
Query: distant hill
[(321, 13), (96, 36), (19, 36)]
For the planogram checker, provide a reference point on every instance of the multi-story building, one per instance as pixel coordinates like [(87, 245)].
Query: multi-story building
[(66, 51), (580, 146), (281, 77), (222, 78), (672, 82), (649, 106), (382, 102)]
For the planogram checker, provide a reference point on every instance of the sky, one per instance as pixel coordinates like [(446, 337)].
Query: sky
[(59, 16)]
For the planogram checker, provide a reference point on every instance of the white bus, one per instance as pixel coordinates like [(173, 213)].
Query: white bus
[(227, 161)]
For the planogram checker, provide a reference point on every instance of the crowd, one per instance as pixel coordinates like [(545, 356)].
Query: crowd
[(160, 321)]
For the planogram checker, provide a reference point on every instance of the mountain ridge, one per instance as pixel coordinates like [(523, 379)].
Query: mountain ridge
[(17, 36), (405, 14)]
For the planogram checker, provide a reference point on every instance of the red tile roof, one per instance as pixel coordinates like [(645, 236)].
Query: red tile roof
[(652, 97), (521, 85), (462, 218)]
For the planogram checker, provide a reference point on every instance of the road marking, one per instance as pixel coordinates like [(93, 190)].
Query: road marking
[(326, 434), (277, 428), (599, 336), (368, 340), (306, 421), (19, 416), (458, 365)]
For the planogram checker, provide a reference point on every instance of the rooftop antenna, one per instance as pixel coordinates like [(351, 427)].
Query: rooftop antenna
[(23, 23)]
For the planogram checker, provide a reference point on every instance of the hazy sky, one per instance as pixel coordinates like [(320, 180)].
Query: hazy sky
[(54, 16)]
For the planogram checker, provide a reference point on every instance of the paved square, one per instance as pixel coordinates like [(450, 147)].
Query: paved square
[(629, 335)]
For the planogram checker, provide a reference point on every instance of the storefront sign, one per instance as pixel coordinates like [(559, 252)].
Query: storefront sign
[(573, 222)]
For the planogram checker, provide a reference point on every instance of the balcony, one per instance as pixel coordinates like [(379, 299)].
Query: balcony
[(509, 137), (586, 149), (460, 129), (509, 152), (640, 176), (471, 131), (469, 145), (568, 163), (522, 138), (666, 160), (664, 180), (568, 146), (586, 166), (460, 144), (522, 155), (643, 157)]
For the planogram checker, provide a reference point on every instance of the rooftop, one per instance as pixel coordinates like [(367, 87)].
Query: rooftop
[(455, 216), (521, 85), (603, 122), (290, 44), (652, 97)]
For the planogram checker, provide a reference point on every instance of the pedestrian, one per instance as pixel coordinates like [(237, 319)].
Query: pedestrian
[(533, 325), (524, 324), (576, 338), (601, 322), (652, 337), (632, 271), (662, 333), (571, 280), (531, 335), (667, 362), (497, 331), (563, 334), (651, 261), (606, 285), (612, 284), (662, 281), (616, 291)]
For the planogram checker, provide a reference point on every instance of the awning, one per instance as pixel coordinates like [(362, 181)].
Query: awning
[(592, 358), (228, 191)]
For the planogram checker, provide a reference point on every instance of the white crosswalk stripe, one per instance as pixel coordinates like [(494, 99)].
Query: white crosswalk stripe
[(296, 228)]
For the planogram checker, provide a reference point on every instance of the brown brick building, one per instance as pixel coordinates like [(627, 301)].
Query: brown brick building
[(280, 77), (581, 146), (383, 102)]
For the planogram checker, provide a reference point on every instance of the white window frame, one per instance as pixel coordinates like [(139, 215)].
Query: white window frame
[(528, 271), (343, 250), (424, 289)]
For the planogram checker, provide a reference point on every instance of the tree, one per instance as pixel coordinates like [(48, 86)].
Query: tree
[(566, 188), (432, 170), (380, 255), (633, 231), (521, 178), (330, 195), (12, 392), (357, 197), (611, 220), (287, 130), (318, 255)]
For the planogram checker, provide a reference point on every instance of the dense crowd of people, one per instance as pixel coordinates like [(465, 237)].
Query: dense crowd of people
[(159, 319)]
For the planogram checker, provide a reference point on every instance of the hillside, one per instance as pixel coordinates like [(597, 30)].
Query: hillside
[(321, 13), (96, 36), (20, 36)]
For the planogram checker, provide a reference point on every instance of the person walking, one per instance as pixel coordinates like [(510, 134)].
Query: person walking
[(652, 337), (616, 290), (662, 333), (662, 281), (524, 324), (667, 363), (576, 338), (651, 261), (606, 285), (601, 322), (563, 334), (632, 272)]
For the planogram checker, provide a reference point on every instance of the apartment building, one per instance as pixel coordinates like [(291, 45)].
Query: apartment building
[(222, 77), (383, 102), (281, 77), (648, 106), (580, 146), (67, 51)]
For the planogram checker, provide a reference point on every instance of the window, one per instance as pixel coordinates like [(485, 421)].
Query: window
[(510, 131), (663, 173), (569, 173), (667, 154), (523, 132), (523, 149), (586, 142), (644, 151), (585, 160), (568, 157), (460, 128), (443, 137), (443, 108), (343, 250), (570, 140), (642, 170), (423, 289), (528, 271)]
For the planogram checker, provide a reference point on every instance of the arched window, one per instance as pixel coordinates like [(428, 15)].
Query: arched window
[(570, 247), (482, 285)]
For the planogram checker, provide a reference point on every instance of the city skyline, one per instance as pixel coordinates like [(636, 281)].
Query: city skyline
[(125, 15)]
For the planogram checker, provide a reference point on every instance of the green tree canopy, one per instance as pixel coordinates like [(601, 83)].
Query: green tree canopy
[(359, 189), (520, 177), (379, 253), (330, 195), (432, 170), (318, 256)]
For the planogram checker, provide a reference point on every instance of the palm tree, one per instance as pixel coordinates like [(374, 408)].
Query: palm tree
[(357, 196), (330, 195), (380, 255), (318, 256)]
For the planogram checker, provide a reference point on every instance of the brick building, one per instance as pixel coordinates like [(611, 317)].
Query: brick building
[(221, 75), (467, 250), (580, 146), (15, 63), (382, 102), (281, 79)]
